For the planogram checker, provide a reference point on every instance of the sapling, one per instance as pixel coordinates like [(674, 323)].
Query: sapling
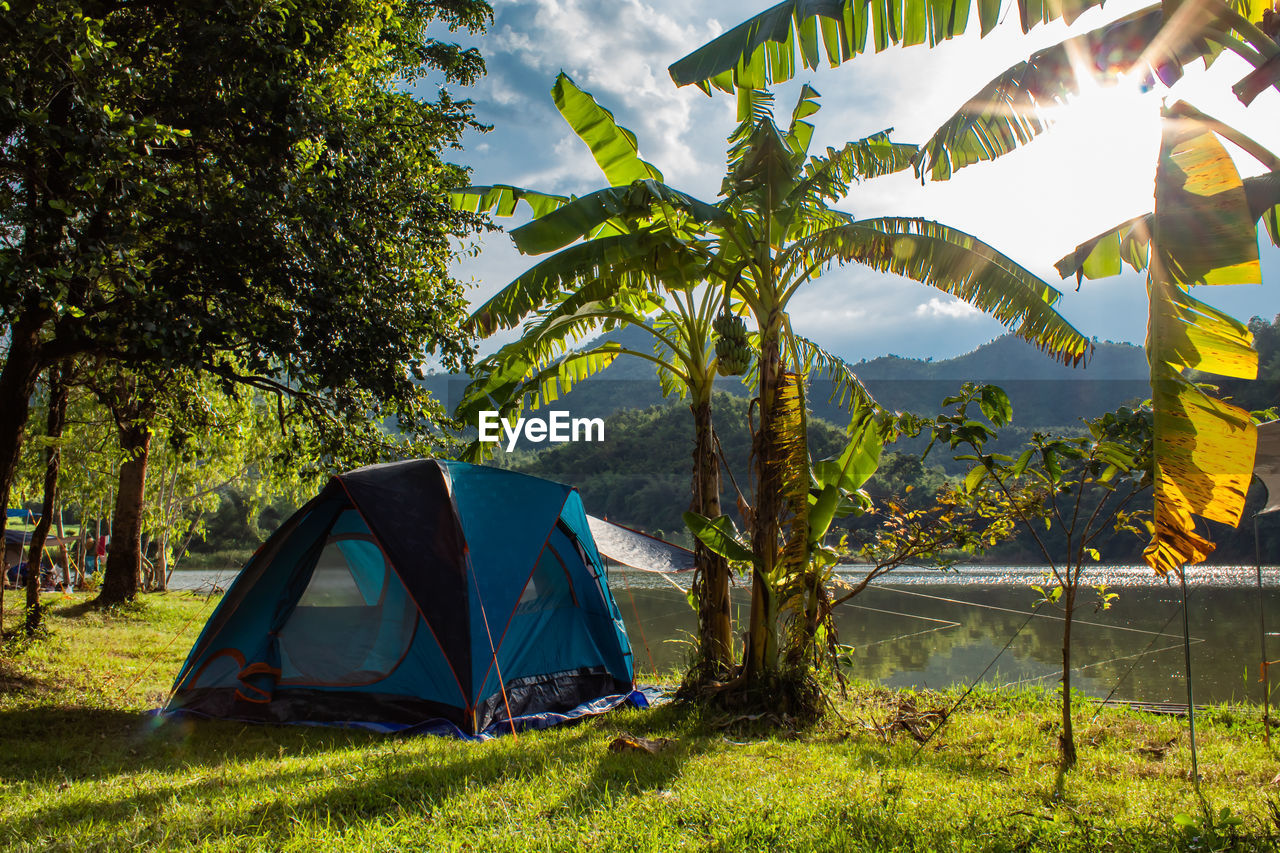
[(1065, 491)]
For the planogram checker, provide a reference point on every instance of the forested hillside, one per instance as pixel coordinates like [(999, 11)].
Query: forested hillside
[(640, 474), (1044, 393)]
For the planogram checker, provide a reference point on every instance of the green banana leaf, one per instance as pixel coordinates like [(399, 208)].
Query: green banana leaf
[(633, 261), (1101, 256), (800, 132), (847, 390), (613, 146), (761, 51), (719, 535), (1130, 242), (1009, 111), (846, 473), (586, 216), (829, 176), (503, 199), (959, 264)]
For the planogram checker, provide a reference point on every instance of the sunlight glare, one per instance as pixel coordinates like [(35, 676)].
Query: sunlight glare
[(1107, 139)]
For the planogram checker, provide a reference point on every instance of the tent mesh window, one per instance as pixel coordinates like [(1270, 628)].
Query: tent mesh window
[(353, 623), (549, 585)]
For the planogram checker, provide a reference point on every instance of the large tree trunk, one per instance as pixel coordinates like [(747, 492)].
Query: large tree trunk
[(762, 638), (17, 384), (52, 462), (715, 622), (124, 558)]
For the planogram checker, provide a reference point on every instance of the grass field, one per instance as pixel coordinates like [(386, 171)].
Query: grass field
[(84, 767)]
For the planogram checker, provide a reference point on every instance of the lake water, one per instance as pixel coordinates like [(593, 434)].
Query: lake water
[(922, 628)]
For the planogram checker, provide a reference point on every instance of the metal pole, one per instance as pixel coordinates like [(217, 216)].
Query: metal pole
[(1191, 705), (1262, 638)]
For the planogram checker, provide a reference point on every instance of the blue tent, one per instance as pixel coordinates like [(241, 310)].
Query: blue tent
[(427, 594)]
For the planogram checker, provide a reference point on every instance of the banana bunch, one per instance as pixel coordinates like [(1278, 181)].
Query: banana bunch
[(732, 345)]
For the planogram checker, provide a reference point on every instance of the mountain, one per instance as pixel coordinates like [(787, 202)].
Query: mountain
[(1009, 357), (1044, 393)]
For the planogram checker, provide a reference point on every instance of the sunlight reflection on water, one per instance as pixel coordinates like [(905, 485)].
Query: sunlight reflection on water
[(977, 575)]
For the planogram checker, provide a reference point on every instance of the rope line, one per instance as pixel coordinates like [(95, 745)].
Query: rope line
[(974, 683), (1080, 669), (497, 666), (1024, 612), (945, 624), (1137, 657), (639, 624), (156, 658), (502, 684)]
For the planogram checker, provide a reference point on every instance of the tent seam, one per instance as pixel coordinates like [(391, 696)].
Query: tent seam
[(414, 598)]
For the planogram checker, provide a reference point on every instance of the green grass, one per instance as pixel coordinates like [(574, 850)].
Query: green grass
[(70, 530), (82, 767)]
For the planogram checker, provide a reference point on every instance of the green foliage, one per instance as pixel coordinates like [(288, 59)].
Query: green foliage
[(1081, 485), (764, 49), (720, 536), (1210, 831), (242, 189), (639, 476)]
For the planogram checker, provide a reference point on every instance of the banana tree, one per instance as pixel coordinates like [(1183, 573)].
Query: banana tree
[(814, 495), (781, 233), (772, 231), (1203, 446), (624, 255), (634, 255), (543, 365)]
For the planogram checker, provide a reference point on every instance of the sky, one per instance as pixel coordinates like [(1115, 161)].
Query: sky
[(1094, 170)]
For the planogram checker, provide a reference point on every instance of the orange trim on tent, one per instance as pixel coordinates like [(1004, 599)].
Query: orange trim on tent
[(493, 663)]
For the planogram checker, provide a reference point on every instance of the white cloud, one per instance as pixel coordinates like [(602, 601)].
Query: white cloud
[(1034, 205), (944, 307)]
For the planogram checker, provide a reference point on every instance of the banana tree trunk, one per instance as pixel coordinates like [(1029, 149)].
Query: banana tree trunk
[(715, 623), (762, 638), (53, 459)]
